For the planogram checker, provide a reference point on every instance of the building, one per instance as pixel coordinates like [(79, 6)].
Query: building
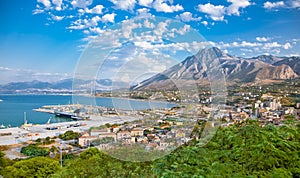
[(86, 140), (141, 139), (137, 132), (275, 105), (98, 132), (108, 135), (123, 134)]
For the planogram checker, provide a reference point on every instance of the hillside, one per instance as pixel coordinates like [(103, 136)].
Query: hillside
[(196, 69)]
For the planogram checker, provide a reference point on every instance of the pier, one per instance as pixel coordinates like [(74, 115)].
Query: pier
[(16, 135)]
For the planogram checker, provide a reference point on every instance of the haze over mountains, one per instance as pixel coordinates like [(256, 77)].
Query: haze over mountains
[(194, 69), (62, 86)]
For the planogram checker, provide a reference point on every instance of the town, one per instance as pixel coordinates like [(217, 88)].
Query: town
[(161, 129)]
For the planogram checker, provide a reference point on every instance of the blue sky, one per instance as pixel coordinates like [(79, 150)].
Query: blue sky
[(44, 39)]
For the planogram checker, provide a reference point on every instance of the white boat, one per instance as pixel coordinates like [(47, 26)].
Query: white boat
[(1, 100), (49, 121)]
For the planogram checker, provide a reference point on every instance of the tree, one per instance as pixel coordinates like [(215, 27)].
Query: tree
[(3, 162), (34, 167), (33, 150), (94, 163), (69, 135), (237, 151)]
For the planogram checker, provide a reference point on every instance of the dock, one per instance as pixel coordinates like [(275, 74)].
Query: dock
[(15, 135)]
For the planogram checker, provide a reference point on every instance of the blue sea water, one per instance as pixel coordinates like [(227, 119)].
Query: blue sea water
[(12, 107)]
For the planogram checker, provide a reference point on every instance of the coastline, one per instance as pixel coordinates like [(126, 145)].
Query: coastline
[(16, 135), (134, 99), (134, 105), (84, 95)]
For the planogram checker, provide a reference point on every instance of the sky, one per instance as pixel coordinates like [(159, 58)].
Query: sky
[(47, 39)]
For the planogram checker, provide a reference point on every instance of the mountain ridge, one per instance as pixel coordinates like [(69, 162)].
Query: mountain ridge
[(195, 69), (192, 70)]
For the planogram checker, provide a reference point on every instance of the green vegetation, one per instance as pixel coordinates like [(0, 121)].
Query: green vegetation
[(34, 150), (69, 135), (94, 163), (34, 167), (3, 162), (45, 141), (245, 150)]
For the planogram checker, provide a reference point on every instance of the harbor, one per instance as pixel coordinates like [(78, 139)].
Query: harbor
[(25, 133), (12, 107), (48, 117)]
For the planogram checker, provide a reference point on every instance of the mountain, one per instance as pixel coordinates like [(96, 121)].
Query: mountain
[(269, 59), (293, 62), (209, 61), (62, 86), (207, 64)]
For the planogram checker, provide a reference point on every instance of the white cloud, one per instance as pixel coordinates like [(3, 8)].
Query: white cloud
[(282, 4), (144, 13), (187, 17), (37, 11), (215, 12), (124, 4), (271, 45), (95, 10), (128, 26), (294, 3), (183, 30), (249, 44), (108, 18), (161, 28), (162, 6), (287, 46), (148, 24), (143, 44), (46, 3), (57, 18), (262, 39), (96, 30), (234, 8), (257, 47), (94, 21), (58, 4), (85, 23), (205, 23), (81, 3), (146, 3), (271, 5)]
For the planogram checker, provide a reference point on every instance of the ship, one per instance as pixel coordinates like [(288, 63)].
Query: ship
[(72, 115), (63, 114)]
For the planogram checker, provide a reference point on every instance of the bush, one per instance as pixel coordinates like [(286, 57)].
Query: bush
[(33, 150), (34, 167), (69, 135)]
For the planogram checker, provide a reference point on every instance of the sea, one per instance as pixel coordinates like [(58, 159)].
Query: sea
[(13, 107)]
